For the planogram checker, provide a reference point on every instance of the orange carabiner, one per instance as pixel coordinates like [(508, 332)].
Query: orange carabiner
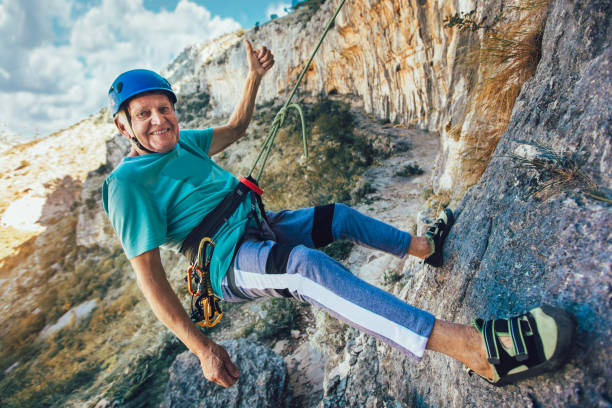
[(210, 320), (190, 279)]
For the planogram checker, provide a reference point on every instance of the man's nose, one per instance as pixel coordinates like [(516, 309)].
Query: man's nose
[(156, 117)]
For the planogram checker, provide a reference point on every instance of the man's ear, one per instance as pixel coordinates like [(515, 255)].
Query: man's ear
[(121, 126)]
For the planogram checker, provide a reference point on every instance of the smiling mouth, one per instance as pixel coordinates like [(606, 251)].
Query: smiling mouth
[(160, 132)]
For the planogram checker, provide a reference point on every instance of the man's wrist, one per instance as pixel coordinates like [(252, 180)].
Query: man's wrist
[(254, 75), (199, 344)]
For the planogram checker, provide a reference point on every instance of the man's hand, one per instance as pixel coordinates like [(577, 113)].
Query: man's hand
[(217, 366), (260, 60)]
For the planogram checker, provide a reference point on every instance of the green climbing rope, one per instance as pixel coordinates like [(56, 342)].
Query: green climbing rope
[(279, 119)]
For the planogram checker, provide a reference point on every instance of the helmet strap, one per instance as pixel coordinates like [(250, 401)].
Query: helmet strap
[(134, 139)]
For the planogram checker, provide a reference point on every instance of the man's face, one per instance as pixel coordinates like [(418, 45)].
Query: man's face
[(154, 122)]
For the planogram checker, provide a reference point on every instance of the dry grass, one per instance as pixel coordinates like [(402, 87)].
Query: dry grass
[(506, 58), (438, 201), (557, 172), (15, 246), (337, 158)]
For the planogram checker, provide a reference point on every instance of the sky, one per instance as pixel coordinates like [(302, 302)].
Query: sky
[(59, 57)]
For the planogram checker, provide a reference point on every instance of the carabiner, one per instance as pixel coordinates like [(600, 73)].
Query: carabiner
[(210, 309)]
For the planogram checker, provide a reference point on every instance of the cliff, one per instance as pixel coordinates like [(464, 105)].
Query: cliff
[(529, 232), (511, 126)]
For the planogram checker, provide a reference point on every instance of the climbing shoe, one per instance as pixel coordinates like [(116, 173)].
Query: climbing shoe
[(537, 341), (436, 234)]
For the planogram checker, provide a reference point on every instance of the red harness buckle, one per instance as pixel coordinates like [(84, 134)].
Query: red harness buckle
[(251, 185)]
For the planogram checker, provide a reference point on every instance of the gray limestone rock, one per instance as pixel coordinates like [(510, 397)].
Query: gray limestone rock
[(263, 380)]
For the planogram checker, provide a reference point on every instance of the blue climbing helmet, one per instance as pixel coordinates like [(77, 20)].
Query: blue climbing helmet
[(135, 82)]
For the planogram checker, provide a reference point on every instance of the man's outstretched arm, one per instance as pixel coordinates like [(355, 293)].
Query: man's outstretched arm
[(260, 61), (151, 277)]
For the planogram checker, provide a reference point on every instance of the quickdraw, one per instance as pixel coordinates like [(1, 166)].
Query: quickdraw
[(205, 308)]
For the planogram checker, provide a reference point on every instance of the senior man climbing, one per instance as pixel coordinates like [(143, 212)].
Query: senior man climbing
[(168, 192)]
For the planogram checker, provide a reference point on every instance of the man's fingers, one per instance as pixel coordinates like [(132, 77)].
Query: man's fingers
[(249, 47), (232, 369), (225, 379), (262, 52), (268, 64), (263, 57)]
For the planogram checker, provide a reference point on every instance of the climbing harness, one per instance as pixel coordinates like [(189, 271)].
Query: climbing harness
[(205, 308)]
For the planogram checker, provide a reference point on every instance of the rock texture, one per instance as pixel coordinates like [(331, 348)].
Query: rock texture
[(510, 250), (93, 226), (263, 379), (395, 56)]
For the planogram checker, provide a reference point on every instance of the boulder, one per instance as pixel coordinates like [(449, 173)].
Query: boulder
[(70, 318), (263, 380)]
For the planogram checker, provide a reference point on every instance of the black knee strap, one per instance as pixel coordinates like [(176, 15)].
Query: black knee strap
[(322, 225), (277, 263)]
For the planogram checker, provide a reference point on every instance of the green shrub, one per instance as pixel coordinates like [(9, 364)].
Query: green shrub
[(410, 170), (145, 378), (277, 319), (390, 277), (359, 195), (313, 5), (337, 158), (191, 106), (339, 250)]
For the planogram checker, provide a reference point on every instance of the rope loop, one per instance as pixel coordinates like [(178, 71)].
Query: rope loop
[(277, 123)]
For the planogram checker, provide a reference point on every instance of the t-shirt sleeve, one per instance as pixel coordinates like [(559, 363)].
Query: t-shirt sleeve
[(137, 221), (199, 137)]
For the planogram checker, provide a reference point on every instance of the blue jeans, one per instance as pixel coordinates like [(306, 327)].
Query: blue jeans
[(284, 263)]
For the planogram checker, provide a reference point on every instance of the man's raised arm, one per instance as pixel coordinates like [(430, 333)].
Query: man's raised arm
[(260, 61), (151, 277)]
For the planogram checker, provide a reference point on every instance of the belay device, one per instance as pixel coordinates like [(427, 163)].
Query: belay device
[(205, 308)]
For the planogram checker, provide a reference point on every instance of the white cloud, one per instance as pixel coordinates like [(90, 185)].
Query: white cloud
[(45, 86), (278, 9)]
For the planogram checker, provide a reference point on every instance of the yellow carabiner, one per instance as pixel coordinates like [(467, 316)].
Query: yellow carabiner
[(203, 261)]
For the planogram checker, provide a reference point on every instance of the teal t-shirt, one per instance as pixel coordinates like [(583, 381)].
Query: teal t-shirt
[(157, 199)]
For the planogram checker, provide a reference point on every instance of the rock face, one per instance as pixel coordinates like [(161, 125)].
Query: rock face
[(263, 379), (93, 226), (517, 244), (395, 56)]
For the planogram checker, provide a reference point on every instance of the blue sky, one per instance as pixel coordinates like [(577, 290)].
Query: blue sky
[(246, 12), (59, 56)]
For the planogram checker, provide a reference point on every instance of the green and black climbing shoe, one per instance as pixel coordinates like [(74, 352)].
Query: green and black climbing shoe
[(436, 234), (536, 342)]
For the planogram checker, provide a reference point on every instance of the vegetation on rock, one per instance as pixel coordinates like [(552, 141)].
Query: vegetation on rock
[(505, 58)]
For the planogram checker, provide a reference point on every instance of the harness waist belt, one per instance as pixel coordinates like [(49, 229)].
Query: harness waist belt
[(214, 220)]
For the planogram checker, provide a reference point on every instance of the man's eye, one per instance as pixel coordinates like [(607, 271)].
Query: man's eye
[(142, 114), (164, 110)]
